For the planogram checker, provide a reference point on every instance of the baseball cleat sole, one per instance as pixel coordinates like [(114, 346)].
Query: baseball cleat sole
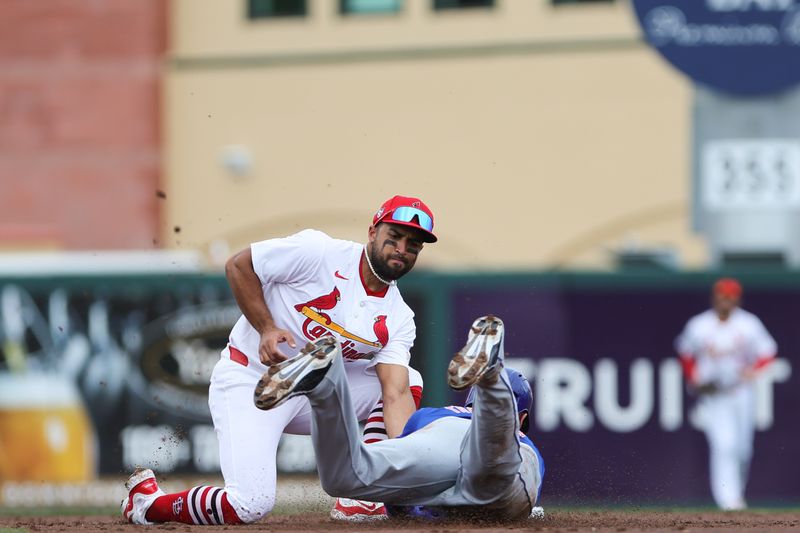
[(484, 344), (142, 490), (296, 376)]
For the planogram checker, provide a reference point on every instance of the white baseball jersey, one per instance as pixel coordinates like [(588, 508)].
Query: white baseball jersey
[(723, 349), (313, 287)]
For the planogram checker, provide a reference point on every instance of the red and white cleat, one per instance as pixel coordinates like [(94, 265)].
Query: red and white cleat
[(142, 492), (358, 511)]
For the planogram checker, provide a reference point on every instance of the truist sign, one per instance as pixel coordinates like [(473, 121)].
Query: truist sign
[(740, 47), (611, 414)]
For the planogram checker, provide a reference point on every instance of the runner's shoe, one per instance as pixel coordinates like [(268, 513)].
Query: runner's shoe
[(296, 376), (481, 353), (358, 511), (142, 492)]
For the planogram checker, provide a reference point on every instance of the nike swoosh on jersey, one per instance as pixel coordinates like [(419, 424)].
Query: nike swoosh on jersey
[(340, 276)]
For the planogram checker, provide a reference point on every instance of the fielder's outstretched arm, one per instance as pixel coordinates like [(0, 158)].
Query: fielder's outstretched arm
[(247, 290), (398, 404)]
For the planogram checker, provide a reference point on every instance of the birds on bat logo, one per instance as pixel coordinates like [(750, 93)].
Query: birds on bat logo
[(381, 330), (318, 323), (325, 302)]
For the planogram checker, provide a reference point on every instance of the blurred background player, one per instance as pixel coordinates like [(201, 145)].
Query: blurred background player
[(299, 289), (460, 462), (721, 351)]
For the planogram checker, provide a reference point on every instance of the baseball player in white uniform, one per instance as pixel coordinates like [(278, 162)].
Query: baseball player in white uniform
[(292, 291), (721, 351), (463, 462)]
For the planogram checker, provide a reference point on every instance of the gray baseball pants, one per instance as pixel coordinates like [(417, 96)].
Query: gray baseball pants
[(464, 466)]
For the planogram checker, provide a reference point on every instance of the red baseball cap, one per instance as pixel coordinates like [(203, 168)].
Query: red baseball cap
[(728, 288), (407, 211)]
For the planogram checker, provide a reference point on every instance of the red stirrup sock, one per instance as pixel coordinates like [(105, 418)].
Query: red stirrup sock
[(375, 429), (202, 505)]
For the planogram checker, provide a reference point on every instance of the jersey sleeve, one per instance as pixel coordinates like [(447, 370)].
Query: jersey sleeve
[(398, 350), (764, 346), (289, 259), (687, 343)]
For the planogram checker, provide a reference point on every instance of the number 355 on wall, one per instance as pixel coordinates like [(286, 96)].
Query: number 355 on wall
[(750, 174)]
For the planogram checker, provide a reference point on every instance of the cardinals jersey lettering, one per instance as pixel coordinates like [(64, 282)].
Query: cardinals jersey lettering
[(312, 286), (723, 349)]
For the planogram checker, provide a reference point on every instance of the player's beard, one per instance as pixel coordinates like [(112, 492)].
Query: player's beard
[(382, 267)]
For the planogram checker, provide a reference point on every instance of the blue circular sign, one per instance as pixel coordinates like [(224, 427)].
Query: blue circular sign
[(741, 47)]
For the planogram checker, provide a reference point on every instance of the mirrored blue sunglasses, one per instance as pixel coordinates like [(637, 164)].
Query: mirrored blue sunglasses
[(407, 214)]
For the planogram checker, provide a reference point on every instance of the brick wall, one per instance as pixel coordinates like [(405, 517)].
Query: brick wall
[(79, 123)]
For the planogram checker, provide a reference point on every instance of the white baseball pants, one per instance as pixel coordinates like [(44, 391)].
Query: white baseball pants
[(248, 437), (728, 422)]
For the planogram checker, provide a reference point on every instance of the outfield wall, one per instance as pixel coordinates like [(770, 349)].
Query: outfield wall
[(104, 372)]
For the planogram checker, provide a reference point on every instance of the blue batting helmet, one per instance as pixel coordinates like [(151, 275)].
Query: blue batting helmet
[(522, 393)]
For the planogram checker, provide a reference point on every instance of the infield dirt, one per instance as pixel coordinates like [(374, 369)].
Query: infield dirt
[(557, 520)]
